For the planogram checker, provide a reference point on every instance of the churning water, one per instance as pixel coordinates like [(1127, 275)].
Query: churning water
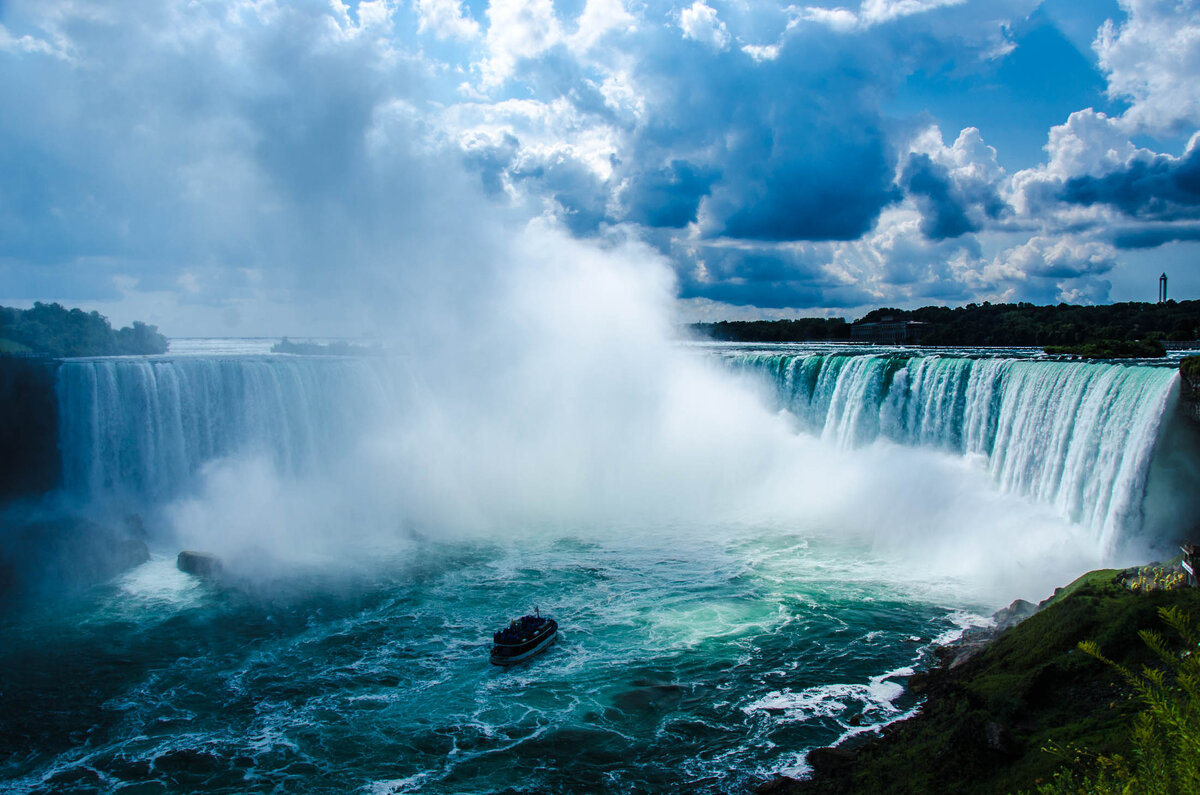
[(704, 663)]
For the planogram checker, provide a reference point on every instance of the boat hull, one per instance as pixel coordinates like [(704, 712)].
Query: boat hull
[(512, 659)]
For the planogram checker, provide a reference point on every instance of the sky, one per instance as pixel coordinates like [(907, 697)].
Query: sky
[(260, 167)]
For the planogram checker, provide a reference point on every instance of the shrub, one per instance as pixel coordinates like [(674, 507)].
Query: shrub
[(1164, 756)]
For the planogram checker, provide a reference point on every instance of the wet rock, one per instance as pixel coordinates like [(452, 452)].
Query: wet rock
[(830, 760), (966, 654), (998, 738), (778, 786), (201, 564), (1014, 614)]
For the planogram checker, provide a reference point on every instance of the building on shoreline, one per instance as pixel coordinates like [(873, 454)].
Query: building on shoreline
[(891, 331)]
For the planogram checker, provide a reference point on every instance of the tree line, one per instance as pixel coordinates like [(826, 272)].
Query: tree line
[(1021, 324), (53, 330)]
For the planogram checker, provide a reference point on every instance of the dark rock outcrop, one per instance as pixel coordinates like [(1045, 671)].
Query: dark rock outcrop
[(201, 564), (1189, 387), (831, 760), (1014, 614), (29, 459)]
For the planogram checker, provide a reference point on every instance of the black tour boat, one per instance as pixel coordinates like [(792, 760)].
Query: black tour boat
[(523, 638)]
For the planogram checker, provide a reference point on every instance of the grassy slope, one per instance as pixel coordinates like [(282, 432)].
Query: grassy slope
[(1032, 681)]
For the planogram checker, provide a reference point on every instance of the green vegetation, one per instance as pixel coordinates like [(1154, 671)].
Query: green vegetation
[(1020, 324), (1111, 349), (52, 330), (1164, 737), (1190, 368), (987, 718)]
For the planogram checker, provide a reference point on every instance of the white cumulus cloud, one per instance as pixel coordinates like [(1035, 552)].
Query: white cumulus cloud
[(517, 29), (1152, 60), (445, 19), (700, 23)]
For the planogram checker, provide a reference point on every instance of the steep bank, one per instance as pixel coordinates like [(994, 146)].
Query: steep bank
[(1189, 386), (29, 457), (987, 717)]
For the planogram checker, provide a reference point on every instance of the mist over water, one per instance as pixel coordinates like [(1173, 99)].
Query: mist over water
[(568, 402), (744, 563)]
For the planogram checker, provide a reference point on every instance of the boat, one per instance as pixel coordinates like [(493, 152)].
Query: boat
[(523, 638)]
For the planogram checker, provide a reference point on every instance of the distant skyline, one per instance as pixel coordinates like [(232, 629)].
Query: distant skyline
[(252, 167)]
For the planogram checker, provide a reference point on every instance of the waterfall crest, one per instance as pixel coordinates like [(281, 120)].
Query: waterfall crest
[(1076, 435), (141, 427)]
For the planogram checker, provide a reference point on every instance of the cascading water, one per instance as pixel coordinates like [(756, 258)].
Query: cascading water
[(1079, 436), (141, 428)]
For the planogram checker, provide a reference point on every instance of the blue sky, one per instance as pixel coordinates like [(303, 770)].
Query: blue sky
[(259, 167)]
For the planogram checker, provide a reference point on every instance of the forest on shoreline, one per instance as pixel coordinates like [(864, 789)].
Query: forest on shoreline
[(55, 331), (987, 324)]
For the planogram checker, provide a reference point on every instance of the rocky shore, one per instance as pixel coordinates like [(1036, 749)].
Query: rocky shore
[(999, 697)]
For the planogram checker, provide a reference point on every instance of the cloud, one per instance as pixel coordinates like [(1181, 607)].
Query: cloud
[(1155, 235), (956, 187), (445, 19), (1151, 60), (271, 141), (942, 204), (1057, 258), (226, 153), (699, 22), (517, 29), (773, 277), (599, 19), (667, 197), (1090, 143), (1158, 187), (870, 13)]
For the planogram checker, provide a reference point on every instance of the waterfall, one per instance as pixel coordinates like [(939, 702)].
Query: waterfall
[(142, 427), (1078, 436)]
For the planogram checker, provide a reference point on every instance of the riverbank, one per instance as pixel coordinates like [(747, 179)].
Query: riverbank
[(993, 704)]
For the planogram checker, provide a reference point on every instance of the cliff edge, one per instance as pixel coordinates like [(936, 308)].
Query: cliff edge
[(988, 714)]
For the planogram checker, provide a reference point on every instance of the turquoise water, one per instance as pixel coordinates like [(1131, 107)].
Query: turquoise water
[(687, 659)]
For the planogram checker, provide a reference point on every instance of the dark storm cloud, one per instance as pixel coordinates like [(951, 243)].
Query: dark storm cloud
[(943, 208), (668, 197), (796, 144), (1155, 236), (1159, 187), (768, 278)]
